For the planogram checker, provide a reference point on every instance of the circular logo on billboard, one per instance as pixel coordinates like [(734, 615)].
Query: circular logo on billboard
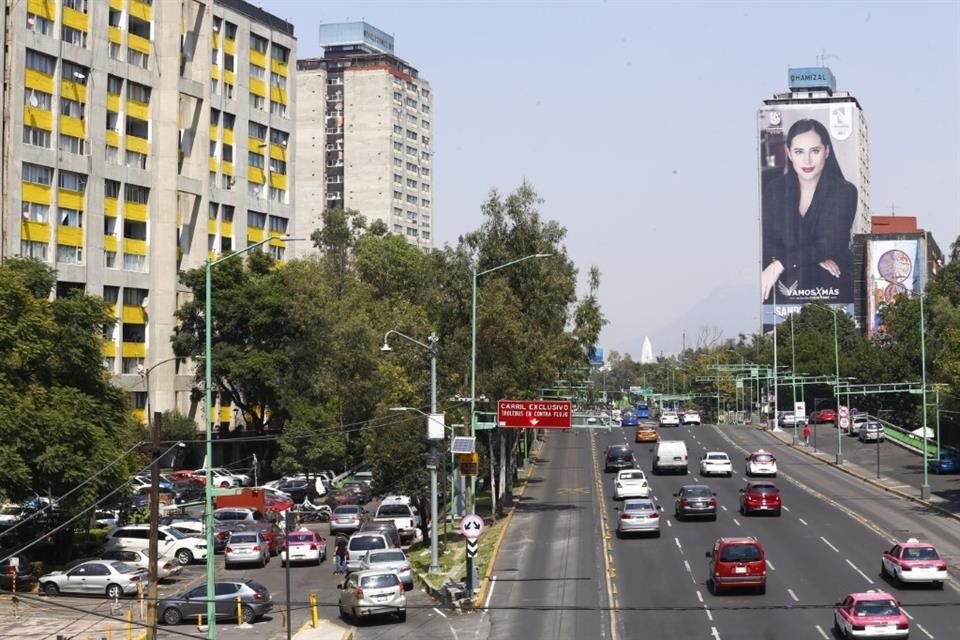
[(895, 266), (892, 290)]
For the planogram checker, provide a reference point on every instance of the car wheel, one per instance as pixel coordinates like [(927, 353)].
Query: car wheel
[(184, 556), (777, 513), (343, 613), (227, 565), (171, 616), (762, 589), (51, 589), (247, 616), (114, 591), (714, 517), (402, 616), (224, 485), (939, 585), (656, 534)]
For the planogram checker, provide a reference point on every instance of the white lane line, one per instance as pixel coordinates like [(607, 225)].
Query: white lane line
[(827, 542), (687, 566), (699, 597), (929, 635), (723, 507), (713, 630), (770, 566), (823, 634), (493, 583), (906, 613), (857, 569), (737, 522), (677, 540), (785, 509), (706, 609), (668, 522), (442, 614), (793, 595), (803, 522)]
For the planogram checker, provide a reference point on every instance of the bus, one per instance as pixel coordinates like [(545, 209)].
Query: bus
[(643, 410)]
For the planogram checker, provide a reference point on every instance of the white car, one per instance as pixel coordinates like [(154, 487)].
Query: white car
[(243, 480), (761, 463), (669, 419), (219, 478), (630, 483), (716, 463), (691, 417), (372, 593)]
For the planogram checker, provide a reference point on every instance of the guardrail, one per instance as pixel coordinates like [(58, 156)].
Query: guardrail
[(904, 438)]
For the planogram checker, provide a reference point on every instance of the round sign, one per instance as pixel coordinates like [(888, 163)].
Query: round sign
[(844, 422), (471, 527), (844, 411)]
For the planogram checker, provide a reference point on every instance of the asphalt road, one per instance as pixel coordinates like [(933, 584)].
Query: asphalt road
[(826, 544)]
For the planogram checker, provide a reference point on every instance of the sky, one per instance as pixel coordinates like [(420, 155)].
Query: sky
[(636, 124)]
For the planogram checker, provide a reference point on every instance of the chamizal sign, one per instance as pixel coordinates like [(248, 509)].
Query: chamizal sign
[(534, 414)]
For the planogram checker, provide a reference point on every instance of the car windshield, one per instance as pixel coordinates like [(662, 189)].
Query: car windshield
[(300, 537), (763, 458), (876, 608), (632, 475), (387, 556), (243, 538), (697, 492), (394, 510), (920, 553), (763, 488), (175, 534), (379, 581), (740, 553), (619, 453), (365, 543), (346, 511), (638, 506), (718, 457)]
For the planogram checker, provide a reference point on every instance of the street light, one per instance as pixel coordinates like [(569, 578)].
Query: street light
[(473, 386), (430, 346), (836, 357), (925, 487), (208, 427)]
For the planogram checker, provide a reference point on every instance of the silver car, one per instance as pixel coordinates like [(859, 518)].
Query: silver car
[(111, 578), (390, 560), (372, 593), (639, 515), (246, 547), (871, 431), (137, 559)]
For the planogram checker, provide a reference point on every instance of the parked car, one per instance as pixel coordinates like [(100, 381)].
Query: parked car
[(143, 481), (360, 489), (188, 491), (737, 563), (389, 560), (385, 527), (914, 561), (762, 496), (223, 530), (10, 514), (95, 577), (630, 483), (761, 463), (255, 601), (304, 545), (824, 416), (872, 431), (238, 513), (171, 542), (15, 572), (166, 567), (338, 497), (271, 533), (298, 489), (618, 456), (948, 462), (365, 477), (245, 547), (403, 515), (372, 593), (186, 474), (716, 463), (871, 614), (219, 478), (639, 515), (347, 519), (695, 500)]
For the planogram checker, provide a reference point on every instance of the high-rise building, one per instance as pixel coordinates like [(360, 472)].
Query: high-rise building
[(815, 194), (365, 127), (139, 138)]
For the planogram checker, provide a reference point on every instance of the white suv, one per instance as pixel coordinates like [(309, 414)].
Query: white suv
[(170, 542), (669, 418)]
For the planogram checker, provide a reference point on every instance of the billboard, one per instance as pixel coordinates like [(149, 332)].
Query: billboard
[(894, 267), (596, 356), (812, 200)]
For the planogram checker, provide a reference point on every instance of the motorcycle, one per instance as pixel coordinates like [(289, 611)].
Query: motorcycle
[(310, 512)]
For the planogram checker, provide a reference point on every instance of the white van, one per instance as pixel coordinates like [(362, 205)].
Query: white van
[(670, 455), (170, 542)]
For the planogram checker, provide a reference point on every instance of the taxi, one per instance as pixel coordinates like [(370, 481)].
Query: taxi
[(872, 614), (914, 561), (761, 463), (646, 433), (304, 545)]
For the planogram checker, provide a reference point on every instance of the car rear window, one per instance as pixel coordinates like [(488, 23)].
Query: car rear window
[(918, 553), (365, 543), (389, 510), (387, 556), (740, 553), (348, 510), (876, 608), (243, 538), (718, 456), (380, 581), (639, 506), (698, 492), (300, 537), (763, 457), (764, 488), (632, 475)]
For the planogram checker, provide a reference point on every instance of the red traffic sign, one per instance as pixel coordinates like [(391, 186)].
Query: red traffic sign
[(844, 411), (471, 527), (535, 414)]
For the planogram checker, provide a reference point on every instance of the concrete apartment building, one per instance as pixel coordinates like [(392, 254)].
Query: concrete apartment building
[(139, 138), (365, 133)]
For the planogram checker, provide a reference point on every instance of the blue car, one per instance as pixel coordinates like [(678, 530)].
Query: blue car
[(949, 462), (629, 420)]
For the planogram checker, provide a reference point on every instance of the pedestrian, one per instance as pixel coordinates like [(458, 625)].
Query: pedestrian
[(806, 435), (341, 554)]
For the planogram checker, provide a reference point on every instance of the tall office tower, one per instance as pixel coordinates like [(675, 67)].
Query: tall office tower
[(139, 138), (366, 133), (811, 135)]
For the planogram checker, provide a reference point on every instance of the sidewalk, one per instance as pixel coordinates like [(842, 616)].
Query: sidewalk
[(326, 630)]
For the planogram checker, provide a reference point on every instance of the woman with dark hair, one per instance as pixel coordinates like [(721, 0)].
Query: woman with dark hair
[(807, 216)]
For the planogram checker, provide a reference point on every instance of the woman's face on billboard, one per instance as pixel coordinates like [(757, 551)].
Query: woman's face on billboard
[(808, 155)]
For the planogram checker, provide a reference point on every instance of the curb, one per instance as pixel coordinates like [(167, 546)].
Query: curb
[(485, 580)]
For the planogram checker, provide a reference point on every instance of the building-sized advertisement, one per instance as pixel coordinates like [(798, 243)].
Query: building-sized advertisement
[(894, 267), (812, 180)]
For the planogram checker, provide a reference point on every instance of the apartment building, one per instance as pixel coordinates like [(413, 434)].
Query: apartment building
[(139, 138), (365, 125)]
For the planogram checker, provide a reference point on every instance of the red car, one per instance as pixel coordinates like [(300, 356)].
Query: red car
[(824, 416), (760, 496), (737, 563), (914, 561), (271, 534), (184, 475), (872, 614)]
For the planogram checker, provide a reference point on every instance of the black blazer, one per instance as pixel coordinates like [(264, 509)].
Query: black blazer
[(801, 243)]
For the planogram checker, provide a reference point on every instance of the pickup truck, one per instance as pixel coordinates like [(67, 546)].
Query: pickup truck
[(402, 514)]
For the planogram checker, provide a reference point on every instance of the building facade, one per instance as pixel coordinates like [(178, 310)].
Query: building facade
[(365, 126), (139, 138)]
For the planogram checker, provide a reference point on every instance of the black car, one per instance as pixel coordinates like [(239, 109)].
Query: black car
[(298, 489), (619, 456), (387, 528), (24, 578), (187, 491), (695, 500), (359, 489)]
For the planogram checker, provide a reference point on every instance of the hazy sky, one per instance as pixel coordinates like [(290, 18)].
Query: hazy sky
[(636, 123)]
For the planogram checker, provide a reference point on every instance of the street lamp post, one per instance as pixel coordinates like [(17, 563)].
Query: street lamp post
[(925, 487), (473, 386), (208, 427), (836, 357), (431, 347)]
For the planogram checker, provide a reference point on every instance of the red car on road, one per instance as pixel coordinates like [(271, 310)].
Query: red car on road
[(914, 561), (824, 416), (760, 496)]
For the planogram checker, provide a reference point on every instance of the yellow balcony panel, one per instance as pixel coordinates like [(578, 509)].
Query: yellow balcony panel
[(255, 235), (138, 44), (134, 350), (76, 19), (110, 349), (135, 211), (212, 255), (114, 34), (213, 164), (70, 236), (41, 194), (216, 40), (112, 139), (38, 118), (110, 243), (215, 72), (230, 46), (278, 181), (230, 77), (279, 68), (35, 231), (134, 314), (258, 87), (228, 136), (258, 58), (138, 144), (113, 102), (43, 8), (212, 227), (214, 132), (141, 10), (226, 168), (278, 95), (140, 415), (73, 90), (73, 127), (135, 247), (116, 4), (256, 145), (226, 229), (226, 414), (255, 174), (110, 207), (33, 79), (138, 110), (112, 310), (70, 199), (278, 152)]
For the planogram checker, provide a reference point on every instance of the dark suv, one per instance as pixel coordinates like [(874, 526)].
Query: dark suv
[(619, 456)]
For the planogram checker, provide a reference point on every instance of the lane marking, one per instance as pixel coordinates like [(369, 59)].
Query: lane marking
[(906, 613), (737, 522), (803, 522), (443, 615), (723, 507), (857, 569), (713, 630), (669, 524), (706, 610), (687, 566), (677, 540), (827, 542), (607, 560), (785, 509), (493, 583), (823, 634), (770, 565), (699, 596), (929, 635), (793, 595)]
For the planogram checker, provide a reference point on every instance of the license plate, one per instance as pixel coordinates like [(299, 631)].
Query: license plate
[(739, 569)]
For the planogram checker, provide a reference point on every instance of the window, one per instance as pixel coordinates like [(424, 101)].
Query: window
[(133, 297), (30, 249), (39, 25), (109, 226), (278, 166), (258, 43), (257, 72), (71, 218), (256, 130), (398, 228), (397, 96), (135, 230), (77, 5), (69, 255), (138, 128), (425, 124), (35, 212), (412, 232), (411, 183), (279, 137), (36, 137), (70, 144), (231, 31), (74, 36), (258, 102), (211, 242), (40, 62), (256, 220), (227, 150), (278, 224), (411, 199), (227, 181), (134, 262), (255, 160), (138, 59), (424, 202), (411, 151), (229, 63), (278, 195), (71, 181), (136, 193), (229, 121), (138, 92), (397, 211), (136, 160), (276, 252), (228, 90), (37, 174), (212, 211), (113, 121), (134, 332), (397, 146), (280, 53), (71, 72), (410, 102), (227, 213), (397, 162), (278, 81), (397, 129), (398, 195), (412, 135), (111, 295), (278, 109), (425, 235), (112, 154), (226, 244), (425, 108), (111, 189), (71, 108), (412, 119), (397, 179), (425, 186), (425, 172), (37, 99), (425, 155)]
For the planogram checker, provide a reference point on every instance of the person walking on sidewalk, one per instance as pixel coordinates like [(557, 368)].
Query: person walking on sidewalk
[(340, 554), (806, 435)]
